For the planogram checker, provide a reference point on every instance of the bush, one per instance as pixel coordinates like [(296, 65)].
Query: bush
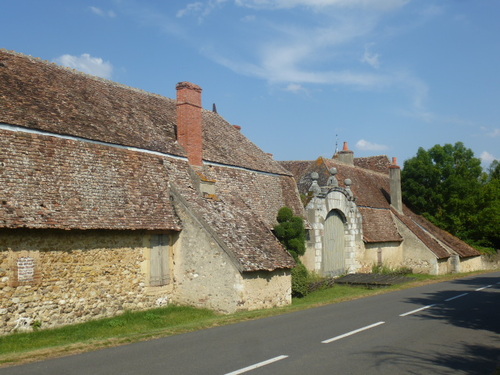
[(284, 214), (291, 232), (300, 281)]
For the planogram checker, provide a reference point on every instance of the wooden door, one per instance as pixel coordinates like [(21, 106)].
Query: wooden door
[(333, 263)]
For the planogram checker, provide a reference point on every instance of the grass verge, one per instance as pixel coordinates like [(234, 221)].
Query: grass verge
[(144, 325)]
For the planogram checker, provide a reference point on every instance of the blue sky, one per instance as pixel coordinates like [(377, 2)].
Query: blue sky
[(387, 76)]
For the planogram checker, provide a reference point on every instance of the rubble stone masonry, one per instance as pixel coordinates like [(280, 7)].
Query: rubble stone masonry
[(57, 277)]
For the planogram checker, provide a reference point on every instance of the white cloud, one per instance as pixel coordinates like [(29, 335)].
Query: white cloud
[(103, 13), (369, 146), (370, 58), (318, 50), (494, 133), (190, 8), (321, 48), (486, 157), (295, 88), (284, 4), (200, 9), (87, 64)]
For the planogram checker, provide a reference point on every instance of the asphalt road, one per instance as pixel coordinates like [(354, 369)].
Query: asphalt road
[(446, 328)]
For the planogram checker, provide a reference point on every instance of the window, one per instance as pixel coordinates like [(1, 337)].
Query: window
[(160, 262)]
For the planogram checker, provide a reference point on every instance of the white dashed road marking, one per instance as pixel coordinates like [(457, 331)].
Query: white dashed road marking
[(351, 333), (417, 310), (452, 298), (484, 287), (257, 365)]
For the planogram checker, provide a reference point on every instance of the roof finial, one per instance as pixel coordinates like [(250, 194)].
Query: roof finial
[(214, 108)]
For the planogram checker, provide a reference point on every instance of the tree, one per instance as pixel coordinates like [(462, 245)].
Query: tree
[(488, 230), (446, 185), (494, 170)]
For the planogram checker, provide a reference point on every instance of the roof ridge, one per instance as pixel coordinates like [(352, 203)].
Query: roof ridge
[(67, 69)]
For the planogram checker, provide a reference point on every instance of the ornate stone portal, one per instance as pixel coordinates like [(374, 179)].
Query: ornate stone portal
[(335, 240)]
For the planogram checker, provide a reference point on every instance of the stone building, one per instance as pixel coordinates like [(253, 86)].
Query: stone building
[(114, 199), (358, 220)]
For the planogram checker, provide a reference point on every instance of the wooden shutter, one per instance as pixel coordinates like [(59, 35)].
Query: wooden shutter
[(160, 265)]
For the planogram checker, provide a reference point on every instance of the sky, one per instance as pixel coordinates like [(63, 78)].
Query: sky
[(299, 76)]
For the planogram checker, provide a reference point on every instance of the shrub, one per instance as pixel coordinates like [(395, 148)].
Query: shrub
[(300, 281), (291, 232)]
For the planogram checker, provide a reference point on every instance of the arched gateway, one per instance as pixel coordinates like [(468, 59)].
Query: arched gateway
[(334, 244)]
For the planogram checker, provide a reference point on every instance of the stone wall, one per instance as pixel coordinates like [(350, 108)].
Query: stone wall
[(205, 275), (387, 254), (263, 290), (483, 262), (416, 255), (70, 277)]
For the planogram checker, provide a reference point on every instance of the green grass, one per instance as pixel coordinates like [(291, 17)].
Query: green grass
[(128, 327), (337, 293), (142, 325)]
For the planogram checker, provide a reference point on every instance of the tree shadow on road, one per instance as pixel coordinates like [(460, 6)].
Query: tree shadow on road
[(461, 358), (477, 310), (481, 314)]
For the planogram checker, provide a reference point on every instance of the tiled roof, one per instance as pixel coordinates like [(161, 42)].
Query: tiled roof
[(460, 247), (424, 236), (370, 188), (379, 163), (225, 144), (378, 226), (297, 168), (49, 182), (230, 217), (42, 95)]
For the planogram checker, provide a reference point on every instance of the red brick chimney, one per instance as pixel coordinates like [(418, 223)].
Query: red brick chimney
[(395, 185), (189, 122)]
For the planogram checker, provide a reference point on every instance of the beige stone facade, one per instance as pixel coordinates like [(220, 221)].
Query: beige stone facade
[(75, 276)]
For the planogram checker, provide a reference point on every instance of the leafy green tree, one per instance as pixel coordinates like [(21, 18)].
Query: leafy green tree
[(488, 229), (494, 170), (447, 185)]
